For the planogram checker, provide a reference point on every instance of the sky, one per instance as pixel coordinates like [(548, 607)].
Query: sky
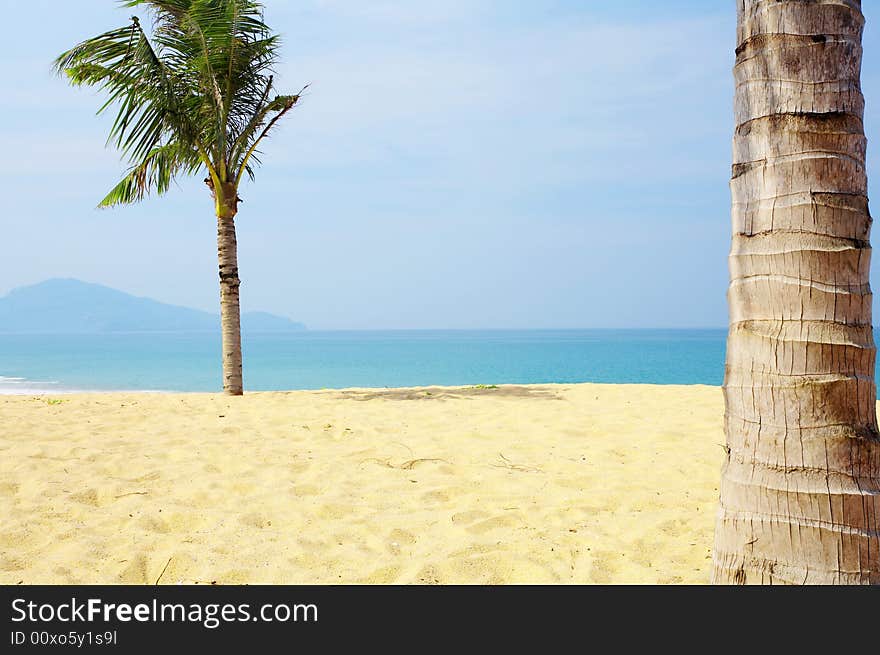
[(456, 164)]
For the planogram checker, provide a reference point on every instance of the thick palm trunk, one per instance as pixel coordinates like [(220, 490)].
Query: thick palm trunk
[(230, 312), (800, 490)]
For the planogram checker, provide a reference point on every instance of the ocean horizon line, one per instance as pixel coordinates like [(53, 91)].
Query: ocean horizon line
[(308, 330)]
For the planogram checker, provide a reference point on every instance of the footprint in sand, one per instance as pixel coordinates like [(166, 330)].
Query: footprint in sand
[(673, 527), (383, 575), (437, 496), (580, 483), (9, 488), (621, 455), (256, 520), (468, 517), (154, 524), (12, 564), (148, 477), (604, 566), (15, 538), (300, 467), (396, 539), (147, 568), (478, 569), (644, 551), (135, 571), (312, 545), (202, 499), (91, 497), (333, 511), (477, 550), (495, 523), (306, 490), (401, 536), (242, 488), (429, 574)]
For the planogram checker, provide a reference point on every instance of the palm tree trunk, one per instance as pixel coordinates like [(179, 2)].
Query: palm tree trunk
[(230, 312), (800, 490)]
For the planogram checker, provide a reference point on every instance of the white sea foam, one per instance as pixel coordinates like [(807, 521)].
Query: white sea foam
[(17, 386)]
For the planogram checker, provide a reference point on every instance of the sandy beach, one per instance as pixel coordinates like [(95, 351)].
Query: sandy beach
[(549, 484)]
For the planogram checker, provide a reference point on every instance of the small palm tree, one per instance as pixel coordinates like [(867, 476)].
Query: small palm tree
[(195, 96)]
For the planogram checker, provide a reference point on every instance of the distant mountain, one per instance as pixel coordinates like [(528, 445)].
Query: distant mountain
[(71, 306)]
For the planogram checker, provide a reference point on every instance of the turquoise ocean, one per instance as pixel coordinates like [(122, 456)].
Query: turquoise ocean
[(339, 359)]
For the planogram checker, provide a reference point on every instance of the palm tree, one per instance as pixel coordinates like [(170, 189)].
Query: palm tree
[(800, 491), (197, 96)]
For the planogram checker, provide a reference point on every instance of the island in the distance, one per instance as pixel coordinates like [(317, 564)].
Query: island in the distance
[(74, 307)]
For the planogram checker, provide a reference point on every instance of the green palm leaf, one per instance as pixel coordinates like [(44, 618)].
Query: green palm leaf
[(195, 93)]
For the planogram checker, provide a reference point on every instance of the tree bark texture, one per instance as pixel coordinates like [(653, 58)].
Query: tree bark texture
[(800, 490), (230, 312)]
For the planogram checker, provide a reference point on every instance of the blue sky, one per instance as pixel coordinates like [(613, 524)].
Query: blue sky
[(456, 164)]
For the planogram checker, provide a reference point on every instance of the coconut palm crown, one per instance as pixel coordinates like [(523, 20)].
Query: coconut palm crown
[(196, 95)]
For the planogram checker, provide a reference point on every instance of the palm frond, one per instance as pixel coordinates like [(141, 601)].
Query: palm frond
[(196, 89), (257, 129), (155, 172)]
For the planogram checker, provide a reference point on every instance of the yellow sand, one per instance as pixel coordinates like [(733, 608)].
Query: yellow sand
[(538, 484)]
